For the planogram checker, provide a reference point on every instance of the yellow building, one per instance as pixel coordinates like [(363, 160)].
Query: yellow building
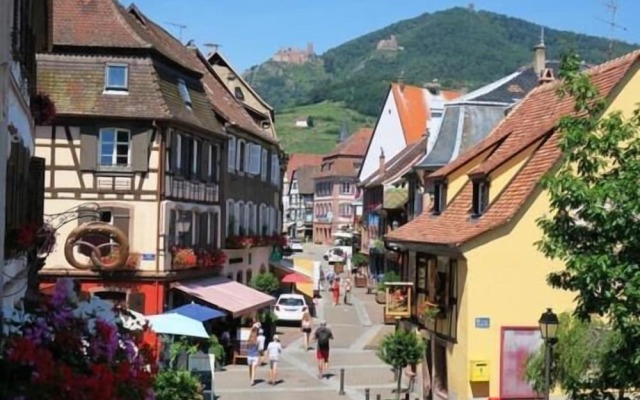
[(476, 266)]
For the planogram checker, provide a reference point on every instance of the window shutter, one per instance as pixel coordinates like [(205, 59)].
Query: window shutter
[(215, 230), (121, 219), (172, 143), (36, 189), (247, 157), (136, 302), (173, 220), (205, 148), (231, 158), (140, 150), (265, 163), (88, 149)]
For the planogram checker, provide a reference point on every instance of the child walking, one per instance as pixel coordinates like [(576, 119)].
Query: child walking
[(273, 352)]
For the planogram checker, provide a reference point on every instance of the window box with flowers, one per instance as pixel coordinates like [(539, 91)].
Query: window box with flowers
[(183, 258), (239, 242)]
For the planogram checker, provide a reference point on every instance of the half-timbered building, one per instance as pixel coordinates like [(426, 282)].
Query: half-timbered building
[(138, 141)]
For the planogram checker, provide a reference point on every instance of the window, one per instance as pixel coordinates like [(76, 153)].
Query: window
[(346, 188), (263, 219), (439, 197), (345, 209), (240, 156), (294, 185), (324, 189), (275, 170), (116, 77), (115, 147), (265, 161), (231, 219), (255, 152), (241, 228), (184, 92), (196, 165), (254, 219), (480, 197), (178, 150), (238, 93), (247, 219), (231, 162)]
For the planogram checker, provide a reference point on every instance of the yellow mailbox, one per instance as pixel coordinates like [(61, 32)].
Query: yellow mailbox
[(479, 371)]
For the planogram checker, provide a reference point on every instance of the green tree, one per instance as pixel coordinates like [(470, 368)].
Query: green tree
[(593, 226), (265, 283), (177, 385), (310, 121), (400, 349), (579, 357)]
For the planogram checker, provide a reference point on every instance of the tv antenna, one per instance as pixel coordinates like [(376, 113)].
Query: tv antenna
[(181, 27), (213, 46), (612, 6)]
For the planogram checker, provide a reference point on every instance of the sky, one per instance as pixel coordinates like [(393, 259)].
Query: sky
[(250, 31)]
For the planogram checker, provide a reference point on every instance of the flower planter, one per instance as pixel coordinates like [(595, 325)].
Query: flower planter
[(360, 281), (381, 297)]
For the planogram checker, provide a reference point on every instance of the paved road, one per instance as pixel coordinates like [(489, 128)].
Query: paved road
[(357, 330)]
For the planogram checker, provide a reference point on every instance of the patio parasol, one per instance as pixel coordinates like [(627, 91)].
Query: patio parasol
[(296, 278), (197, 312), (176, 324)]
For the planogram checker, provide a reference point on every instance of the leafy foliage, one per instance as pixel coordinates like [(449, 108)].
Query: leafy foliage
[(389, 276), (400, 349), (217, 349), (459, 47), (265, 283), (579, 358), (177, 385), (593, 228)]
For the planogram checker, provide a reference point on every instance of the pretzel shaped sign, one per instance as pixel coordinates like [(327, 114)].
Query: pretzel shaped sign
[(115, 239)]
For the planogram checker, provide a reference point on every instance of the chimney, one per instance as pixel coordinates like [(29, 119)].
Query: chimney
[(382, 169), (546, 76), (540, 55), (191, 44), (433, 87)]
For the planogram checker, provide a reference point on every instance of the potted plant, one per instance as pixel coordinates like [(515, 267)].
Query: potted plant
[(400, 349), (217, 349), (359, 260)]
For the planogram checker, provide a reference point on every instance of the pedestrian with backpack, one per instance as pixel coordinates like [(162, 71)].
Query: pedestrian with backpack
[(323, 336)]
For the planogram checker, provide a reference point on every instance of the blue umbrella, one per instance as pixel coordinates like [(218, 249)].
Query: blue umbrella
[(197, 312), (175, 324)]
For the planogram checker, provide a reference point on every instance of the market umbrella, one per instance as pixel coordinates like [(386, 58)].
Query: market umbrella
[(295, 278), (197, 312), (176, 324)]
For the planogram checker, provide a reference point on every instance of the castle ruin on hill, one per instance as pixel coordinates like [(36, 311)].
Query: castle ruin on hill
[(294, 55)]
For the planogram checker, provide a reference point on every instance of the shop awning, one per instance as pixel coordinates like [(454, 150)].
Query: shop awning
[(224, 293)]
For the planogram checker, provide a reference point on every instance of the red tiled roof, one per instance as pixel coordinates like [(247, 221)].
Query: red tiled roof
[(354, 145), (412, 109), (532, 123), (297, 160), (344, 167)]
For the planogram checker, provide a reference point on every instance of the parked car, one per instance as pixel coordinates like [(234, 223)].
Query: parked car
[(290, 307), (335, 255), (296, 245)]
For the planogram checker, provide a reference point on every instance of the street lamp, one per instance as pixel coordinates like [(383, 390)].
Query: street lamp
[(183, 225), (549, 331)]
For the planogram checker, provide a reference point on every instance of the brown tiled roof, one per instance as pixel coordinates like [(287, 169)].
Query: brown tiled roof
[(76, 85), (340, 167), (297, 160), (92, 23), (304, 175), (354, 145), (532, 123), (399, 165)]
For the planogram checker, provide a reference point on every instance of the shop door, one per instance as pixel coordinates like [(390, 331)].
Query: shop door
[(517, 344)]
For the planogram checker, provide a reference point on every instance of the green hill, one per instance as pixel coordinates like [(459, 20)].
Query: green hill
[(459, 47), (327, 117)]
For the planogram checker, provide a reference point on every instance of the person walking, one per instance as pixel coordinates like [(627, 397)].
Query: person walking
[(253, 355), (323, 336), (306, 326), (273, 352), (347, 291), (335, 291), (261, 343)]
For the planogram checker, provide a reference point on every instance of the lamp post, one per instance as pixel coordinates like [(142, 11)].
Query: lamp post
[(183, 225), (549, 331)]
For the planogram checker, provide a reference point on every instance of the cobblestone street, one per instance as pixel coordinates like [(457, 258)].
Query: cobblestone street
[(357, 329)]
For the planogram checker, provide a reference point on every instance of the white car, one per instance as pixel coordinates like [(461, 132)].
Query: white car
[(290, 307), (296, 246), (335, 255)]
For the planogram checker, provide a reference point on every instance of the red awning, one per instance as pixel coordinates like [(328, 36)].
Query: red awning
[(296, 278), (229, 295)]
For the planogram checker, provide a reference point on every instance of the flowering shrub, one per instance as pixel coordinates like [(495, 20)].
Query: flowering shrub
[(73, 349), (246, 242), (197, 257), (18, 241)]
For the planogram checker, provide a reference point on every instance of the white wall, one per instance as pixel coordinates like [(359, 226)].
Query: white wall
[(388, 135)]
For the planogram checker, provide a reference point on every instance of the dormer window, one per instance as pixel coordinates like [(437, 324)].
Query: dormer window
[(439, 197), (238, 93), (184, 92), (480, 197), (116, 78)]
